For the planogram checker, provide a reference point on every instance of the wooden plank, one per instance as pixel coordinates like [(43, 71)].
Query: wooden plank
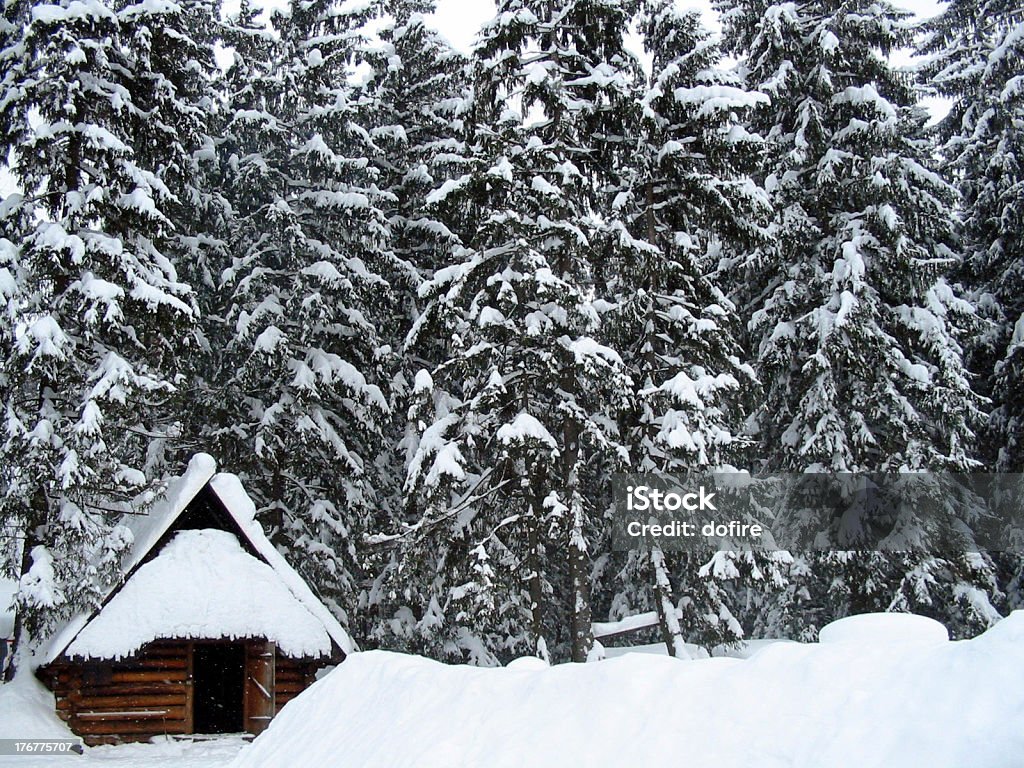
[(179, 649), (176, 687), (151, 664), (153, 713)]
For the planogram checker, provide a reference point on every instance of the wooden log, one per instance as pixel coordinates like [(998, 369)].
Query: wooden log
[(166, 675), (128, 689), (171, 662), (128, 702), (131, 715), (140, 727), (166, 649)]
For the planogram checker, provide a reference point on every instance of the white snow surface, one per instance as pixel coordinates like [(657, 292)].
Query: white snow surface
[(884, 628), (898, 705), (148, 529), (524, 427), (202, 584), (27, 712)]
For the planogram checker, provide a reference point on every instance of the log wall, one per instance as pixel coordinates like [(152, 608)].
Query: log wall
[(291, 678), (148, 695), (130, 700)]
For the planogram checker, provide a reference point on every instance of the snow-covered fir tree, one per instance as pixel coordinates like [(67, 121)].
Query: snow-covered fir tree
[(519, 420), (856, 332), (242, 168), (103, 107), (413, 99), (309, 242), (686, 195), (412, 102), (975, 52)]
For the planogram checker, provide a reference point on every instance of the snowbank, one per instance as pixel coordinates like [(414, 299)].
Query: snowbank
[(833, 704), (27, 711), (202, 585), (742, 650), (884, 628)]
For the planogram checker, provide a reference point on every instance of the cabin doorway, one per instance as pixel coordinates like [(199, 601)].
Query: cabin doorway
[(218, 680)]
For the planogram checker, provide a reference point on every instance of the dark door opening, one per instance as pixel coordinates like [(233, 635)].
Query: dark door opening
[(218, 674)]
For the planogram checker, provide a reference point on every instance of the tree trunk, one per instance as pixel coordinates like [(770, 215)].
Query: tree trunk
[(37, 518), (668, 621), (533, 578), (579, 571)]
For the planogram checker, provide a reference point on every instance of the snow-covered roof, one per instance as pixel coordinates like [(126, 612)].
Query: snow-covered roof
[(202, 584), (179, 593)]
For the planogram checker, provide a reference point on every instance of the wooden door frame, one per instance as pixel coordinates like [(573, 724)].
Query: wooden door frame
[(259, 688)]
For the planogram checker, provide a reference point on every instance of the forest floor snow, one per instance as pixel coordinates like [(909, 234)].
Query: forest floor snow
[(27, 712), (882, 691), (878, 692)]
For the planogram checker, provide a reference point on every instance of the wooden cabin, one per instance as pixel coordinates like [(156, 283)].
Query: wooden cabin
[(210, 630)]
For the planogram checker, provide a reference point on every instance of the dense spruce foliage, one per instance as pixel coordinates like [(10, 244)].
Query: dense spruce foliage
[(427, 304)]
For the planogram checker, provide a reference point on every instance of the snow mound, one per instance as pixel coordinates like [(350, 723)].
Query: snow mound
[(27, 711), (202, 584), (878, 628), (527, 664), (793, 705)]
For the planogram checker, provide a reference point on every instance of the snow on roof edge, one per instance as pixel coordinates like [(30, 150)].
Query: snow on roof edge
[(146, 532), (236, 501), (202, 471)]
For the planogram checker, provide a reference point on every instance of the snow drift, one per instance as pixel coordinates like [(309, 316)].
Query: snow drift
[(836, 704)]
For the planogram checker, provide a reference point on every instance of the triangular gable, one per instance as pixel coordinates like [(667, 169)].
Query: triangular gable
[(236, 513)]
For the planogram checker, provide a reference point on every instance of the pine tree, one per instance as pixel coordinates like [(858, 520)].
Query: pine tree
[(523, 426), (686, 196), (97, 318), (243, 171), (412, 102), (975, 54), (857, 333), (308, 247), (975, 50)]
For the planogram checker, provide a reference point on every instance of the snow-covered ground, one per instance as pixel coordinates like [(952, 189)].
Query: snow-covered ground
[(879, 691), (27, 711), (903, 699)]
